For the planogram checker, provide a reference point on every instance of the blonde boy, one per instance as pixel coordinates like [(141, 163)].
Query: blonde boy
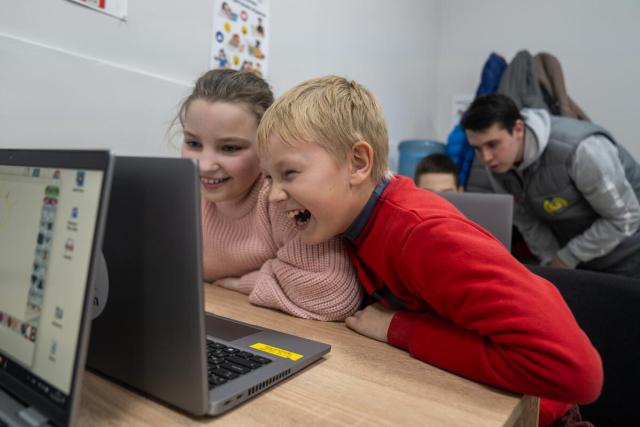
[(446, 290)]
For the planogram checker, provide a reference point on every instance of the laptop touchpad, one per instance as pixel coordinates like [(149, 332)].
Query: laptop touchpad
[(226, 329)]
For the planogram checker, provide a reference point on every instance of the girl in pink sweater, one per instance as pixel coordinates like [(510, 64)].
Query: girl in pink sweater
[(249, 245)]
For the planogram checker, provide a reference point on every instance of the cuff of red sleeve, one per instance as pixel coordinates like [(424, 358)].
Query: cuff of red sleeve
[(551, 410), (400, 329), (567, 257)]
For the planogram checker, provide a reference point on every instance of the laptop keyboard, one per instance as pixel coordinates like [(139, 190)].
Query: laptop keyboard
[(228, 363)]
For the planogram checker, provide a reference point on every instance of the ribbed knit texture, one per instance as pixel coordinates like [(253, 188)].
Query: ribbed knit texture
[(259, 244)]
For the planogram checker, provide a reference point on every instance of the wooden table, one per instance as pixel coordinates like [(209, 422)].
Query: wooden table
[(360, 382)]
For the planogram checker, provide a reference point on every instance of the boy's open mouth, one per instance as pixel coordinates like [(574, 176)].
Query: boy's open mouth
[(301, 217)]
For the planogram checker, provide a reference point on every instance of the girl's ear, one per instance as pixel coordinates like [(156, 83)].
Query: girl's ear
[(361, 162)]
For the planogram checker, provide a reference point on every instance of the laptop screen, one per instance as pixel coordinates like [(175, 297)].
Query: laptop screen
[(47, 224)]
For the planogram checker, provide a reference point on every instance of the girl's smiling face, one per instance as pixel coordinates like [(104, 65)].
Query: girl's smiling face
[(221, 136)]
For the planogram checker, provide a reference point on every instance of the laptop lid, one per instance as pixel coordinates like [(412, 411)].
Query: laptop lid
[(152, 330), (51, 223), (493, 212)]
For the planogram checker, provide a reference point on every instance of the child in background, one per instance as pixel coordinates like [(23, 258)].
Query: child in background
[(437, 172), (250, 245), (447, 291)]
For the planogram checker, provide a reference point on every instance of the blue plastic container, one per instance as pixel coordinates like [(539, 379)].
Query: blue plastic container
[(412, 151)]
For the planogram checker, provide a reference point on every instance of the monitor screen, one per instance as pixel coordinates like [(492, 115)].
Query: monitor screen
[(47, 222)]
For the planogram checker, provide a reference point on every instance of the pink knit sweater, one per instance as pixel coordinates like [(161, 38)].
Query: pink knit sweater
[(259, 244)]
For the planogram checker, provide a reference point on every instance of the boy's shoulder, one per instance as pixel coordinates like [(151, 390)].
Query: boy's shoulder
[(403, 198)]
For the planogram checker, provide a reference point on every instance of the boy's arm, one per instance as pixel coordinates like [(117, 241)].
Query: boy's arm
[(492, 320), (598, 173), (538, 236)]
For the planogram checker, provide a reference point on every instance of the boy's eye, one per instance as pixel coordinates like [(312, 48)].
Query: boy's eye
[(290, 173)]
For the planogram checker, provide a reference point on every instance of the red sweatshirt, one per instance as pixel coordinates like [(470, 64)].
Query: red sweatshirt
[(465, 304)]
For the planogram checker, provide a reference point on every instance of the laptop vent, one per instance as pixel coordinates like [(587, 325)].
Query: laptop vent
[(269, 382)]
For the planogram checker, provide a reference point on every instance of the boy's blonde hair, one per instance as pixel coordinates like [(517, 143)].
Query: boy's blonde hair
[(331, 112)]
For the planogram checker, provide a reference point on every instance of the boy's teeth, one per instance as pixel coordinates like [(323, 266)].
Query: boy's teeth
[(293, 213)]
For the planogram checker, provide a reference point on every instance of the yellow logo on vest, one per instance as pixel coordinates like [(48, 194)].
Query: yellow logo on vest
[(553, 205)]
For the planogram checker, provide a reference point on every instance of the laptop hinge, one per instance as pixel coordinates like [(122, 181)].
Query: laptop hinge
[(32, 417)]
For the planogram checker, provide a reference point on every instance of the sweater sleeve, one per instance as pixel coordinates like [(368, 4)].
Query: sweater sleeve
[(599, 175), (491, 320), (308, 281)]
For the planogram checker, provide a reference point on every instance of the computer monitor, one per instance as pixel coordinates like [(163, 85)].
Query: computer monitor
[(51, 220)]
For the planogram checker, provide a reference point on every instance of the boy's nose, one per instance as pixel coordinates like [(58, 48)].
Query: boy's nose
[(485, 156), (277, 194)]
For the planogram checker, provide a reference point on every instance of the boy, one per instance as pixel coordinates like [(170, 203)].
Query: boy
[(437, 172), (576, 189), (471, 309)]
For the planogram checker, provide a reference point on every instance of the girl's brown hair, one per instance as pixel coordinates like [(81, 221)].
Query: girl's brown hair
[(235, 87)]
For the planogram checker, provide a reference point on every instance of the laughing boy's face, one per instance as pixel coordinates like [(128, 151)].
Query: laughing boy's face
[(311, 186)]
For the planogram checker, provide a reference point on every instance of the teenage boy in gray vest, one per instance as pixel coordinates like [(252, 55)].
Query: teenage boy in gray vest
[(576, 189)]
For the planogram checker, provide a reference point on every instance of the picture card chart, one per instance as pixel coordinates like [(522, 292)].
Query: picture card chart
[(240, 30)]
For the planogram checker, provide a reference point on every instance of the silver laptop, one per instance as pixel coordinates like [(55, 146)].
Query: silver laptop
[(152, 331), (493, 212), (51, 223)]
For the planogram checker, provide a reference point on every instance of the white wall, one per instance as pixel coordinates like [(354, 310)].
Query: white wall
[(84, 79), (595, 41), (387, 46), (72, 77)]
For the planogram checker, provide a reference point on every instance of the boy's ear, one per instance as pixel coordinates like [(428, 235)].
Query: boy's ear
[(518, 128), (361, 162)]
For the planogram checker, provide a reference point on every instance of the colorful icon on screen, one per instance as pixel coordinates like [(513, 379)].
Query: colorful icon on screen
[(80, 178)]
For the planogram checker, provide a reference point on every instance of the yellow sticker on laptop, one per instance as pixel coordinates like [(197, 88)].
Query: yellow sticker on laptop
[(277, 351)]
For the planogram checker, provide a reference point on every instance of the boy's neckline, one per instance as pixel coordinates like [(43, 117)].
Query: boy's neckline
[(357, 226)]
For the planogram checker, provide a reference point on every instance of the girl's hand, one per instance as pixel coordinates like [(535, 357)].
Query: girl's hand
[(372, 322), (229, 283)]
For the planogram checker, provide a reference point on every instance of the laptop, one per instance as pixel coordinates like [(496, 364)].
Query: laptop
[(491, 211), (152, 332), (51, 223)]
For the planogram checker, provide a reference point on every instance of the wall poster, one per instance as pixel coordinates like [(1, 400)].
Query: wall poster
[(240, 29), (117, 8)]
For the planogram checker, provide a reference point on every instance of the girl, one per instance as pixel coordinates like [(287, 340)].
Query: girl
[(250, 245)]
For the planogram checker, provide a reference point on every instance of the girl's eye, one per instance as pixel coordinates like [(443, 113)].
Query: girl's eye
[(192, 144), (231, 148)]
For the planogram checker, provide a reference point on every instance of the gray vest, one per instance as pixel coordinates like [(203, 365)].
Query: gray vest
[(547, 190)]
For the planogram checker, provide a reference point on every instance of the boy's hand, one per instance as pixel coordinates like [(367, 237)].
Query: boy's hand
[(372, 322), (556, 262)]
